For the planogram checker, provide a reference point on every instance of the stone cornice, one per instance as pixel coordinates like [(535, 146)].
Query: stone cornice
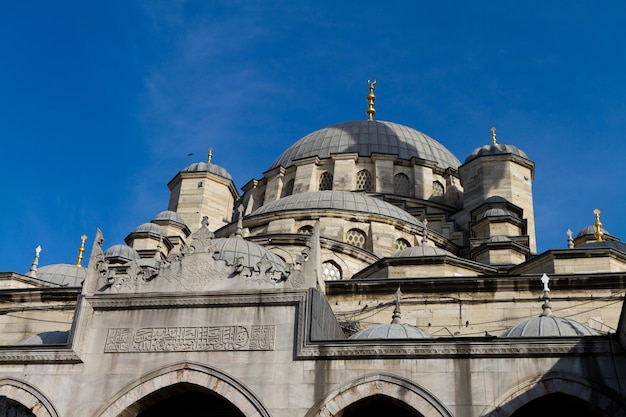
[(30, 354)]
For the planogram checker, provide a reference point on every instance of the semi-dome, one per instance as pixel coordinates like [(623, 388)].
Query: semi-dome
[(337, 200), (238, 250), (496, 149), (548, 326), (169, 215), (391, 331), (64, 275), (365, 138), (416, 251), (121, 252), (208, 167)]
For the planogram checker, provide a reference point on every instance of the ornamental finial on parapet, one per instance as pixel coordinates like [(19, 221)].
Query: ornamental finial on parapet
[(598, 226), (210, 155), (493, 135), (81, 250), (371, 111), (546, 307)]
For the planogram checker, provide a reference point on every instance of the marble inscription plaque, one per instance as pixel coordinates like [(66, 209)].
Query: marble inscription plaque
[(182, 339)]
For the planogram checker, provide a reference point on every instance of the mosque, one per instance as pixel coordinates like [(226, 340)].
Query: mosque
[(367, 272)]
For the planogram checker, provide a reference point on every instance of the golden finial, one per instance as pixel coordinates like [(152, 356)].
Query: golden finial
[(598, 225), (371, 111), (493, 135), (81, 250), (210, 155)]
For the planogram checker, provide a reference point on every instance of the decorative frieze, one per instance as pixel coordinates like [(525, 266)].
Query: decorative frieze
[(184, 339)]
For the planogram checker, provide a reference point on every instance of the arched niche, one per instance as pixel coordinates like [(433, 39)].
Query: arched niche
[(190, 380), (21, 392), (406, 398)]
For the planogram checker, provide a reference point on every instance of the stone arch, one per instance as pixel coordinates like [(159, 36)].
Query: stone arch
[(27, 395), (126, 404), (284, 254), (557, 383), (415, 397)]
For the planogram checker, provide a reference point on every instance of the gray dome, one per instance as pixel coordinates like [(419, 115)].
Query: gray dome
[(56, 337), (415, 251), (496, 199), (497, 149), (250, 253), (610, 244), (205, 167), (548, 326), (391, 331), (591, 230), (64, 275), (123, 252), (367, 137), (169, 215), (150, 228), (337, 200), (494, 212), (499, 238)]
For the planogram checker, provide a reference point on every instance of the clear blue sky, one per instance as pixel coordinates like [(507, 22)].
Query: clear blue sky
[(100, 103)]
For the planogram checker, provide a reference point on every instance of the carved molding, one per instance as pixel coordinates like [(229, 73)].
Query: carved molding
[(35, 355)]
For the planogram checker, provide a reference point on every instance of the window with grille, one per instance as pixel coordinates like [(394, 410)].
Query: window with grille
[(288, 190), (356, 237), (401, 244), (331, 271), (437, 189), (326, 181), (401, 184), (363, 180), (306, 230)]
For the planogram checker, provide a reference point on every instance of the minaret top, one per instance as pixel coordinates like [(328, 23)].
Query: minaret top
[(81, 250), (371, 111)]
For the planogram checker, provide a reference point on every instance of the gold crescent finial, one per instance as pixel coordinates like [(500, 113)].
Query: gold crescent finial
[(493, 135), (598, 225), (81, 250), (371, 111), (210, 155)]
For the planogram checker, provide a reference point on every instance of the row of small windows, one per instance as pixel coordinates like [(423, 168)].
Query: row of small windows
[(358, 238)]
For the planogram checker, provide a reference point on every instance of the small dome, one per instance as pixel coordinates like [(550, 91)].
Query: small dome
[(591, 230), (391, 331), (169, 215), (417, 251), (499, 238), (122, 252), (495, 212), (212, 168), (548, 326), (497, 149), (337, 200), (251, 254), (150, 228), (365, 138), (496, 199), (64, 275), (56, 337)]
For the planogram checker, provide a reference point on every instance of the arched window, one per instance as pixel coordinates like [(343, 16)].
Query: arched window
[(401, 244), (437, 189), (288, 190), (306, 230), (363, 180), (401, 184), (331, 271), (356, 237), (326, 181)]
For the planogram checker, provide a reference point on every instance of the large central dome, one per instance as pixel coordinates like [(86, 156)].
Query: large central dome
[(367, 137)]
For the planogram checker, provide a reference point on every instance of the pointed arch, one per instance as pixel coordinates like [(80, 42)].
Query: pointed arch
[(394, 387), (27, 395), (557, 383), (126, 403)]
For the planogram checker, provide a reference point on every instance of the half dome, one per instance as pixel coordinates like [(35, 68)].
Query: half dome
[(365, 138), (337, 200)]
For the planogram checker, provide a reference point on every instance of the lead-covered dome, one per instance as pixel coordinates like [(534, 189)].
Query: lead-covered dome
[(496, 149), (208, 167), (337, 200), (64, 275), (365, 138), (237, 250), (550, 326), (391, 331)]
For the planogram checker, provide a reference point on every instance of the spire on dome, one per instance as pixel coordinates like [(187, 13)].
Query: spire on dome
[(598, 226), (81, 250), (210, 155), (396, 311), (371, 111), (493, 135), (33, 266), (570, 239), (547, 307)]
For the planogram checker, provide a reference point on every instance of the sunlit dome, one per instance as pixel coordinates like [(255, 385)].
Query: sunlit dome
[(208, 167), (169, 215), (365, 138), (496, 149), (64, 275), (391, 331), (121, 252), (249, 254), (548, 326)]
